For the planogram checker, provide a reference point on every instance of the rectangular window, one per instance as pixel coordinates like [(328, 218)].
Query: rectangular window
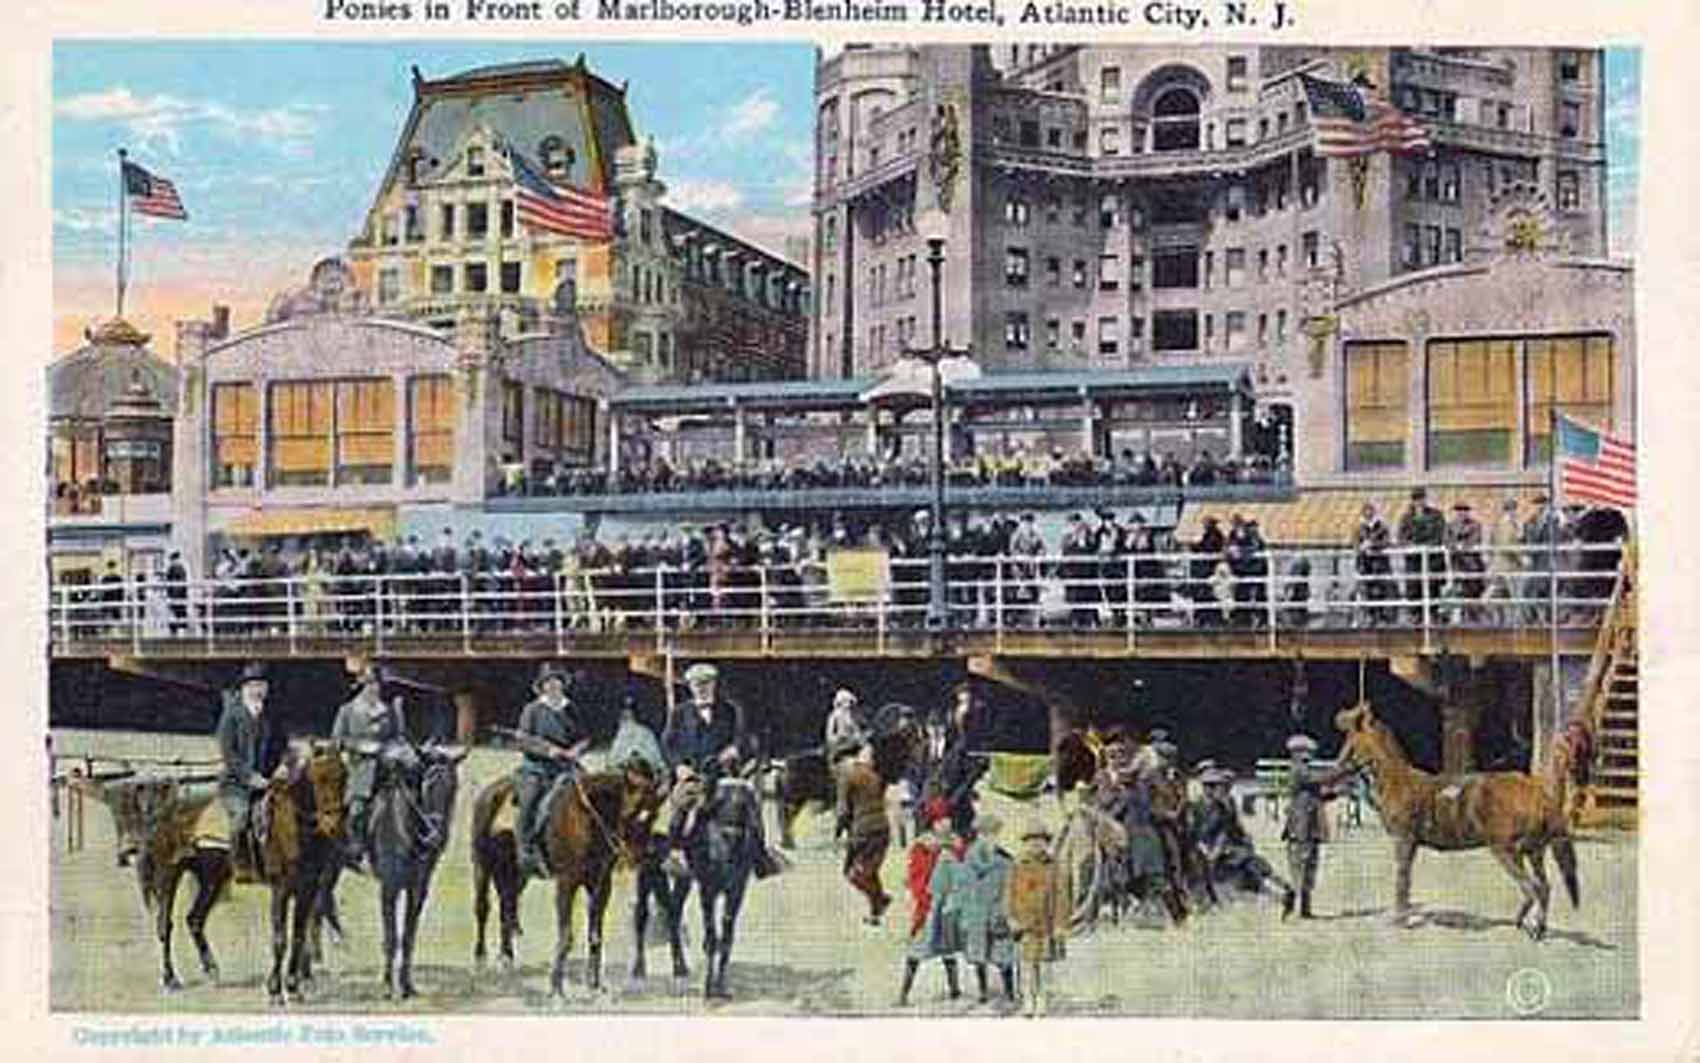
[(1281, 260), (1209, 269), (507, 219), (442, 280), (1053, 333), (1312, 245), (1029, 133), (1569, 67), (300, 439), (1175, 267), (513, 417), (1080, 273), (510, 277), (446, 222), (1570, 119), (1015, 267), (1431, 180), (1262, 329), (1432, 257), (1454, 245), (1236, 132), (1110, 84), (1413, 247), (1235, 264), (1109, 335), (430, 429), (1472, 402), (1136, 335), (477, 220), (1377, 388), (235, 435), (365, 431), (1053, 271), (387, 230), (1174, 330), (1110, 140), (1575, 373), (1235, 204), (1238, 70), (1109, 273), (389, 286), (1016, 210), (1109, 211), (413, 229), (476, 277), (1504, 117), (1015, 330), (1079, 210), (1233, 329), (1053, 141), (1077, 335), (1263, 265), (1280, 327), (1450, 179), (1413, 180), (475, 162), (1569, 190), (1053, 209)]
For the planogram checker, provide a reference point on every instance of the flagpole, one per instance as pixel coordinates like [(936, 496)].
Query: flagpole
[(1552, 565), (123, 225)]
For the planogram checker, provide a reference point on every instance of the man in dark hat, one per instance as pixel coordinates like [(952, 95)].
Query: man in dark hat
[(249, 747), (551, 719), (1542, 532), (368, 729), (177, 591), (1374, 567), (1422, 529), (1464, 553), (956, 770)]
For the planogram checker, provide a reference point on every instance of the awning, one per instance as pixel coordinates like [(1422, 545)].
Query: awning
[(1330, 516), (311, 521)]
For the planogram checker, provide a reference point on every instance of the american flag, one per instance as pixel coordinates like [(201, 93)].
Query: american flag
[(556, 209), (152, 195), (1349, 122), (1593, 466)]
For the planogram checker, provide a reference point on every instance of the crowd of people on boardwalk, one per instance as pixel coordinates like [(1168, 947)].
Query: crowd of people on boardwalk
[(1022, 469), (1002, 570)]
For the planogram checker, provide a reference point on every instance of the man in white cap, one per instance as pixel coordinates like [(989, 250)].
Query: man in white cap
[(845, 725), (706, 739), (1304, 831)]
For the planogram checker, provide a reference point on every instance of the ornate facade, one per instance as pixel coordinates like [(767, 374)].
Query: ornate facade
[(667, 298)]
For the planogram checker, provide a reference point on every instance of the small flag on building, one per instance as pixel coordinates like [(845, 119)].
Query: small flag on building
[(557, 209), (1593, 466), (1349, 121), (151, 194)]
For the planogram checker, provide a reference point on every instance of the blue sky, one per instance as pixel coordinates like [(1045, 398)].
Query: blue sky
[(276, 148)]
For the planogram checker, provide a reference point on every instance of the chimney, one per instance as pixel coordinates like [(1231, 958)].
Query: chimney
[(220, 322)]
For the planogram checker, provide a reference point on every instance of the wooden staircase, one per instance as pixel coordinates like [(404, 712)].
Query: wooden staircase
[(1611, 705)]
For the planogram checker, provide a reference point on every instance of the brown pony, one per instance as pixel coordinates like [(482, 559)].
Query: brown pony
[(1515, 815), (156, 819), (591, 825)]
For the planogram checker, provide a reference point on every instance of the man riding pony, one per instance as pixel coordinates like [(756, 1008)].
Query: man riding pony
[(707, 740), (251, 749), (369, 730), (557, 737)]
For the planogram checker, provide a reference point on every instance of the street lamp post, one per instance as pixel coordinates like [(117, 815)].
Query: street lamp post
[(937, 615)]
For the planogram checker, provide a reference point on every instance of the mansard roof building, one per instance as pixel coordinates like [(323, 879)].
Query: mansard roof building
[(666, 297)]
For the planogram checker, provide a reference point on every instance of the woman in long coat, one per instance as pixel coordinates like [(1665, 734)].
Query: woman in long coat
[(986, 939)]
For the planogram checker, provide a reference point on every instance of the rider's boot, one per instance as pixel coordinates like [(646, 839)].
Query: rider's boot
[(354, 838), (1006, 974), (1304, 905)]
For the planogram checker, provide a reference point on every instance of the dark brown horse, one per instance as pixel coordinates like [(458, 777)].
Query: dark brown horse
[(806, 777), (1516, 816), (302, 804), (590, 825)]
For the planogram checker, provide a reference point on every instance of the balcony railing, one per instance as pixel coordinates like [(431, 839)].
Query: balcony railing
[(1430, 592)]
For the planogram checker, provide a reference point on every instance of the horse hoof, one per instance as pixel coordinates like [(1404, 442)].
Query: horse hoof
[(407, 991), (171, 984), (211, 971)]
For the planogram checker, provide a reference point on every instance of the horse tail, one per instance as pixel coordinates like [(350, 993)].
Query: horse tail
[(1564, 854), (484, 809)]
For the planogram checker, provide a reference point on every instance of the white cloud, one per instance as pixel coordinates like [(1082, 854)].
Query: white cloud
[(750, 115), (158, 121), (709, 196), (84, 220), (770, 231)]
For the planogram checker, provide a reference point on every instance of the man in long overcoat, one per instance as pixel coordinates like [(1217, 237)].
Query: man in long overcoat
[(249, 746), (861, 814), (986, 936), (368, 729)]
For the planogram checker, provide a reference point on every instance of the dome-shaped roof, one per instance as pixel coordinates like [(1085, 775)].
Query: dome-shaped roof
[(92, 379)]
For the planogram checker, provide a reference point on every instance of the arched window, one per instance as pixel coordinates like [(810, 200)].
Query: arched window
[(1174, 121)]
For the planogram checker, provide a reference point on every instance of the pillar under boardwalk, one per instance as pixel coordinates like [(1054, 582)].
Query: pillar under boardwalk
[(1030, 678)]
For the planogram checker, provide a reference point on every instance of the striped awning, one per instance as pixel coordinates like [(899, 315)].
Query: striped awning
[(379, 521), (1330, 515)]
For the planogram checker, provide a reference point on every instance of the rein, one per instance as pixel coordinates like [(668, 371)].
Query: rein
[(613, 839)]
